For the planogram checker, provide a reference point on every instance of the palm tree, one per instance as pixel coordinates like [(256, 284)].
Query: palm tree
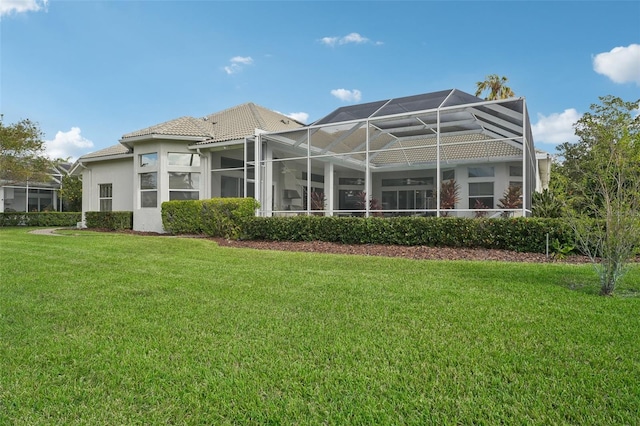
[(496, 87)]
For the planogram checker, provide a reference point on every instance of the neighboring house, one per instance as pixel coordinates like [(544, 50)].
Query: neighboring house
[(399, 151), (34, 196)]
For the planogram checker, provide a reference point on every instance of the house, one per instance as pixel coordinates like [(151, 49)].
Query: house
[(34, 196), (389, 157)]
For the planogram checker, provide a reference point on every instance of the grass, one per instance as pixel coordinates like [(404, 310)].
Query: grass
[(123, 329)]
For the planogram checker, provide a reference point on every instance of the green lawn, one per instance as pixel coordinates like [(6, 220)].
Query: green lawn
[(122, 329)]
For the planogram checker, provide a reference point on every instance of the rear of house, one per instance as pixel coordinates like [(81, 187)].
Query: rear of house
[(392, 157)]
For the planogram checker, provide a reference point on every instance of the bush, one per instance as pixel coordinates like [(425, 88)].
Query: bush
[(113, 221), (216, 217), (182, 217), (224, 217), (40, 218), (518, 234)]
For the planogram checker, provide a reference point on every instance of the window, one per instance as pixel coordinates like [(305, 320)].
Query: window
[(234, 187), (231, 163), (231, 184), (183, 159), (408, 181), (481, 172), (106, 197), (184, 186), (350, 200), (481, 192), (515, 170), (351, 181), (149, 189), (448, 175), (407, 200), (314, 177), (149, 160)]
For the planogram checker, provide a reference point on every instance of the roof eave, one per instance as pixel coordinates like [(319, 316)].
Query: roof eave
[(133, 139), (214, 144), (104, 158)]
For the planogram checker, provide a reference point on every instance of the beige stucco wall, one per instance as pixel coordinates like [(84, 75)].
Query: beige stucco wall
[(149, 219), (118, 173)]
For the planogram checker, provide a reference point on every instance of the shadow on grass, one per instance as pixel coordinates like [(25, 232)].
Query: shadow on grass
[(584, 286), (591, 285)]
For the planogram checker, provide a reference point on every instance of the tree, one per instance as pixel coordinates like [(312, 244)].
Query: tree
[(22, 153), (496, 86), (71, 193), (545, 204), (603, 187)]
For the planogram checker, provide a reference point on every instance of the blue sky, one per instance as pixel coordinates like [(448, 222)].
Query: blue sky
[(90, 71)]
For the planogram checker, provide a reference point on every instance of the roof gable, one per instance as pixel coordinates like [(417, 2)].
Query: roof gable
[(232, 123), (242, 120), (107, 152), (183, 126)]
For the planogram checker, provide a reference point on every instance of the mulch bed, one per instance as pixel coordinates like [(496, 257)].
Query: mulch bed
[(407, 252)]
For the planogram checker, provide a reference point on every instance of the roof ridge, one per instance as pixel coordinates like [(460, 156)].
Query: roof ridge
[(226, 110), (256, 114)]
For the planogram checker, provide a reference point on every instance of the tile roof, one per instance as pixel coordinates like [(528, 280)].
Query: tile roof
[(242, 120), (465, 147), (112, 150), (183, 126), (230, 124)]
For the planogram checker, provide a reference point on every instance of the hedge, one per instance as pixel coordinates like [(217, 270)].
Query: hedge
[(518, 234), (216, 217), (40, 218), (113, 221)]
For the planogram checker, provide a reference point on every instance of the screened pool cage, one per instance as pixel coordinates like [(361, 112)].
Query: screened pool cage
[(398, 157)]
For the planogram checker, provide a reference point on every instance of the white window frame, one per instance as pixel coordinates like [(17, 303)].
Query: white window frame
[(105, 197)]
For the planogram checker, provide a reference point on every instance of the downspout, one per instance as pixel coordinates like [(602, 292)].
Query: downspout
[(245, 175), (525, 143), (258, 175), (438, 173), (367, 176), (309, 189), (204, 191)]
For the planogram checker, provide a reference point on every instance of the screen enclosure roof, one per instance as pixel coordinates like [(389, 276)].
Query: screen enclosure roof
[(407, 130)]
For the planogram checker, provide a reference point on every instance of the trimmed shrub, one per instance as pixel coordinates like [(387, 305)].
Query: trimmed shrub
[(216, 217), (224, 217), (40, 218), (518, 234), (182, 217), (113, 221)]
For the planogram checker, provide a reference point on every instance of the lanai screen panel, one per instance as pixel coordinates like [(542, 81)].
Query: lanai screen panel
[(407, 130), (353, 112), (412, 103), (412, 133)]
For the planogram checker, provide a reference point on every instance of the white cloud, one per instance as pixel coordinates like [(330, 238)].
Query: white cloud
[(347, 95), (246, 60), (68, 144), (302, 117), (353, 38), (349, 38), (621, 64), (8, 7), (556, 128), (237, 63), (329, 41)]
